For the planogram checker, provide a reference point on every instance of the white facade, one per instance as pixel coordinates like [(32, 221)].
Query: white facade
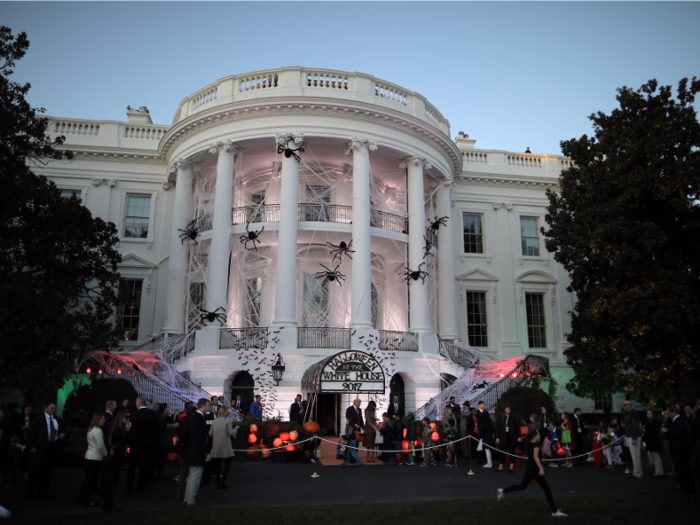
[(378, 167)]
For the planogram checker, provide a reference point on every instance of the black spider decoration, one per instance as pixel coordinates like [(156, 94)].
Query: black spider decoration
[(289, 152), (330, 275), (428, 247), (416, 274), (252, 236), (210, 317), (341, 249), (435, 225), (190, 232)]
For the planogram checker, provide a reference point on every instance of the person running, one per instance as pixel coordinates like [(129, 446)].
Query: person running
[(533, 470)]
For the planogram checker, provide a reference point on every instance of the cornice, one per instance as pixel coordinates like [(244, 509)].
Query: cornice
[(358, 111), (112, 156), (506, 181)]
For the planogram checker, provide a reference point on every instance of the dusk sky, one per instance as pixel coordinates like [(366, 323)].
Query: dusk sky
[(510, 74)]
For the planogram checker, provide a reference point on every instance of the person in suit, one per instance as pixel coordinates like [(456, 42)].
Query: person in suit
[(507, 434), (579, 434), (679, 446), (464, 417), (396, 410), (45, 434), (182, 445), (110, 408), (197, 450), (486, 428), (354, 415), (143, 443), (296, 411), (238, 406), (209, 418)]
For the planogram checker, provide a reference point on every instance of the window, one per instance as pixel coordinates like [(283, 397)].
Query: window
[(129, 308), (602, 400), (529, 237), (375, 307), (473, 233), (69, 193), (254, 293), (316, 301), (477, 326), (317, 198), (536, 326), (138, 211)]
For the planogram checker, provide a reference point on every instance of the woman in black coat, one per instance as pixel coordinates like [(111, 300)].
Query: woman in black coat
[(115, 459), (652, 438)]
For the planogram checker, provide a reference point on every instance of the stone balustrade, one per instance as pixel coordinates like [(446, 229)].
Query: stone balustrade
[(297, 81), (107, 133), (493, 163)]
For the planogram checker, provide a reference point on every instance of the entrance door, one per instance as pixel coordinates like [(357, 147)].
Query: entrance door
[(328, 414), (243, 385)]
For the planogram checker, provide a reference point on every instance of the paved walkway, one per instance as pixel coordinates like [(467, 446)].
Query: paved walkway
[(264, 484)]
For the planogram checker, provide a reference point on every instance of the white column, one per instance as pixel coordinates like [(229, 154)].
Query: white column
[(179, 251), (286, 298), (419, 313), (220, 250), (447, 294), (361, 239)]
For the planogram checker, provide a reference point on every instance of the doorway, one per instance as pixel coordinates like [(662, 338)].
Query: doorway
[(328, 414), (243, 385)]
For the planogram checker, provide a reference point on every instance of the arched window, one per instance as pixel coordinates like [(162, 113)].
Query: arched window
[(446, 380), (397, 388)]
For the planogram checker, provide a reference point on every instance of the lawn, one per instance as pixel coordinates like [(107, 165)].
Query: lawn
[(597, 510)]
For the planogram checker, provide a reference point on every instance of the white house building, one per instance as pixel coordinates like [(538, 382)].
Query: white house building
[(323, 216)]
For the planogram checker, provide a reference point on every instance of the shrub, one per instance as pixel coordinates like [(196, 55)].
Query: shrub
[(523, 401), (92, 397)]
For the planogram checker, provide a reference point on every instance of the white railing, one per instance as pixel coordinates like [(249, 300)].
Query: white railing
[(327, 80), (524, 161), (387, 91), (565, 163), (62, 127), (204, 97), (475, 157), (258, 81), (143, 132)]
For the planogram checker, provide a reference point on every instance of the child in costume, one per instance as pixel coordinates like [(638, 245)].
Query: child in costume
[(451, 437), (553, 438), (428, 458)]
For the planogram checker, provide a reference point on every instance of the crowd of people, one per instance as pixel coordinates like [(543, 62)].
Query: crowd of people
[(138, 441)]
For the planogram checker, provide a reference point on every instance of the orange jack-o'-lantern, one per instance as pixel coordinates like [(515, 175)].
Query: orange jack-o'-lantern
[(277, 442), (252, 438), (311, 427), (266, 452), (435, 436), (253, 429), (432, 426), (290, 448), (284, 436), (293, 435), (404, 445)]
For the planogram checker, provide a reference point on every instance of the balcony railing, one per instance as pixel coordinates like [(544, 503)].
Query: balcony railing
[(388, 221), (398, 341), (204, 223), (314, 212), (262, 213), (323, 337), (243, 338)]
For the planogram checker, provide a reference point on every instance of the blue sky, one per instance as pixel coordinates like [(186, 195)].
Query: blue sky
[(511, 75)]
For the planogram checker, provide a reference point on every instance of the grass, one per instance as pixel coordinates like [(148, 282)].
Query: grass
[(597, 510)]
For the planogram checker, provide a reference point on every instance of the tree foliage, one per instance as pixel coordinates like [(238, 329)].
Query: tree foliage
[(58, 262), (626, 226), (90, 398), (524, 400)]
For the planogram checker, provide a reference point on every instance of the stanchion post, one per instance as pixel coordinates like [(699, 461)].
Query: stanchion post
[(315, 475), (471, 472)]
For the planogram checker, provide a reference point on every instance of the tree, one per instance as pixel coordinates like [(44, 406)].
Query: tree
[(90, 398), (524, 400), (626, 226), (58, 262)]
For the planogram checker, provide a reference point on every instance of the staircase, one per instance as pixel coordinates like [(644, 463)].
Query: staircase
[(485, 377)]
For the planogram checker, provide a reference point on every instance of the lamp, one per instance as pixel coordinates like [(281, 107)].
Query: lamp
[(278, 369)]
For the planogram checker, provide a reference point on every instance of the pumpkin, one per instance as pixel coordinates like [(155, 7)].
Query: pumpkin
[(293, 435), (277, 443), (284, 436), (404, 445), (311, 427), (266, 452), (435, 436), (432, 426), (253, 429), (172, 457), (524, 431), (252, 438), (290, 448)]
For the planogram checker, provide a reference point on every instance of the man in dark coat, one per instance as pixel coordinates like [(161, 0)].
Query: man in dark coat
[(197, 453), (45, 434), (579, 436), (143, 443), (354, 415), (396, 409), (507, 433), (486, 428), (679, 446), (296, 411), (465, 417)]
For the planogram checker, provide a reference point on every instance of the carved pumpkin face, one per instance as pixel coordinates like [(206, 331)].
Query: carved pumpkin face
[(253, 429), (293, 435), (252, 438)]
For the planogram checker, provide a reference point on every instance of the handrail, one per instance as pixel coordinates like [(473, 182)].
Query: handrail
[(401, 341), (388, 221), (256, 213), (323, 337), (243, 338), (321, 212)]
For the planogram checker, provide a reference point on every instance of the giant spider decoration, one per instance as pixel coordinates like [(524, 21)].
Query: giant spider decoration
[(190, 232), (210, 317), (252, 236), (341, 249), (330, 275), (416, 274), (289, 152), (435, 225), (428, 247)]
